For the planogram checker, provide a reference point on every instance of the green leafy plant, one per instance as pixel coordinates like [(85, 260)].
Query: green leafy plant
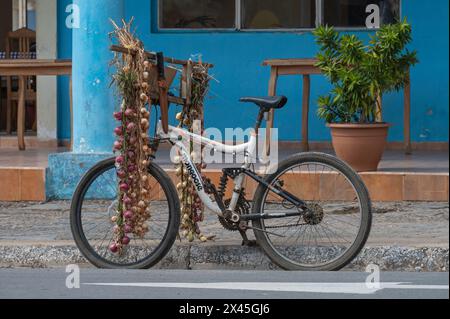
[(360, 73)]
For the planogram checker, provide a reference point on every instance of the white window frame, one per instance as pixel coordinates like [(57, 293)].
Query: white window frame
[(238, 22), (19, 14)]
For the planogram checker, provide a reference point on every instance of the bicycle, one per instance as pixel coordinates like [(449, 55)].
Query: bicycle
[(313, 213)]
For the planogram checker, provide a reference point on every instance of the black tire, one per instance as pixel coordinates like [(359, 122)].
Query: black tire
[(364, 200), (159, 251)]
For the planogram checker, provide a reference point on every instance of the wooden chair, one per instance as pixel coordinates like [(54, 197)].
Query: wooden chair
[(19, 45)]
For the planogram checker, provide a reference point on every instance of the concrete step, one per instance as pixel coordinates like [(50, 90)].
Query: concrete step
[(225, 256), (22, 184), (383, 186), (29, 184)]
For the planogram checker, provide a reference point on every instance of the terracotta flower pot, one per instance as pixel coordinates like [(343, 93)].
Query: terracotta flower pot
[(360, 145)]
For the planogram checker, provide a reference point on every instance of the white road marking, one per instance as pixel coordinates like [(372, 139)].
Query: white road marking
[(333, 288)]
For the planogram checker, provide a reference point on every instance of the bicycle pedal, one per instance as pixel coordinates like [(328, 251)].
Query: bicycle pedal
[(250, 243)]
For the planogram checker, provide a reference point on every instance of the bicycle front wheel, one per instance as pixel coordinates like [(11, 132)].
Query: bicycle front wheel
[(335, 227), (95, 203)]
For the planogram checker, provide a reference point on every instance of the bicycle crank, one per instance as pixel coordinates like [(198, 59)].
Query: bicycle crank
[(232, 222)]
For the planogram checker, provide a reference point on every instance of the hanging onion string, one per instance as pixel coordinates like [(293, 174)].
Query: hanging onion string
[(192, 209), (131, 146)]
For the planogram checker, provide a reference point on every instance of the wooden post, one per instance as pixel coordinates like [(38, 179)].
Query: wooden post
[(271, 118), (305, 112), (189, 83), (21, 114), (9, 105), (407, 117), (8, 115)]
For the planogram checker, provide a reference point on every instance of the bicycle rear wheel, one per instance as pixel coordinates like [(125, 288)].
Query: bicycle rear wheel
[(334, 229), (94, 204)]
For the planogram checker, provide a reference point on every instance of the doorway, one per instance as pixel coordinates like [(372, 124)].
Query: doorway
[(17, 42)]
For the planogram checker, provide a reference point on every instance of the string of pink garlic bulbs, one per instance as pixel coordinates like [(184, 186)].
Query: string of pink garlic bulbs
[(133, 153)]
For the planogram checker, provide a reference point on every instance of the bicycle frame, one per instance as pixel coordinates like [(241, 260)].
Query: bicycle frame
[(178, 136)]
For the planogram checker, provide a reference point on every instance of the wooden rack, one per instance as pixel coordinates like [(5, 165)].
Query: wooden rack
[(160, 85), (185, 84)]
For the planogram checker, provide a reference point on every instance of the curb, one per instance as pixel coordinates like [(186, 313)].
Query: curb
[(388, 258)]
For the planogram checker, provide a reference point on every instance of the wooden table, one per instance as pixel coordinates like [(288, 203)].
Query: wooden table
[(25, 68), (306, 68)]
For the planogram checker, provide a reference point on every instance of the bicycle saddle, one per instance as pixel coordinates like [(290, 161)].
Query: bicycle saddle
[(267, 103)]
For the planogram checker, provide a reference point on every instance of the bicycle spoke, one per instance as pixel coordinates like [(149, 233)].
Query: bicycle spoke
[(330, 225), (98, 230)]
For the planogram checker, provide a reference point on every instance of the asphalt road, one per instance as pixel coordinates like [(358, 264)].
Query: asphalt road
[(156, 284)]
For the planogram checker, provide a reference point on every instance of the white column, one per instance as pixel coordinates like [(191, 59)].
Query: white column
[(46, 24)]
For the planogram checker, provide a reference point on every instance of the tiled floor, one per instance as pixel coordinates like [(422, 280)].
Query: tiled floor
[(393, 161), (418, 162), (31, 158)]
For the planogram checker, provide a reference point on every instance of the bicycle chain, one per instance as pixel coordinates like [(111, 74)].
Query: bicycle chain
[(242, 208), (284, 226)]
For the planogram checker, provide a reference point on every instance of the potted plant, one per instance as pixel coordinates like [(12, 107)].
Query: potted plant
[(361, 74)]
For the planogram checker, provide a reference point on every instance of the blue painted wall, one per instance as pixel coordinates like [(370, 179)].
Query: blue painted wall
[(31, 20), (238, 56), (64, 52)]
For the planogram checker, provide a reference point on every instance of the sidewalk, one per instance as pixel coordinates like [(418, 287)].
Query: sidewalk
[(405, 237)]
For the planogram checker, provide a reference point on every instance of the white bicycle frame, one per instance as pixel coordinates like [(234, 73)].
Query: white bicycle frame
[(179, 136)]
